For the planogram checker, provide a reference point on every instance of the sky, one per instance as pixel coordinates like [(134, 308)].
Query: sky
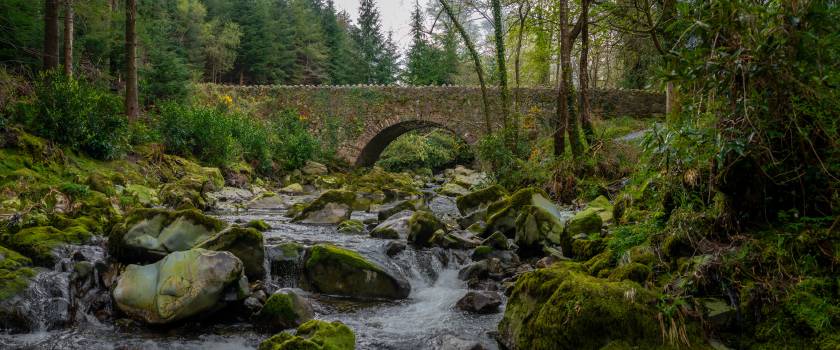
[(395, 15)]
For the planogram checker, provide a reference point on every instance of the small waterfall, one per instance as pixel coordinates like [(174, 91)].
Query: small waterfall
[(284, 267), (68, 293)]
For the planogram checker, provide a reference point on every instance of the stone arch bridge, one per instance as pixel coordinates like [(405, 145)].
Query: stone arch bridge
[(358, 122)]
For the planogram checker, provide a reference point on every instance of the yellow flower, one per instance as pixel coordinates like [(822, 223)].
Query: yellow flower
[(226, 99)]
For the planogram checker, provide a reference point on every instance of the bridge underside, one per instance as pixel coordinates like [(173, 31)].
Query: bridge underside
[(373, 149)]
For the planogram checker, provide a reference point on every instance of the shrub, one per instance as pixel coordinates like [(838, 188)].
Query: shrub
[(433, 150), (200, 131), (74, 113), (295, 145), (510, 168)]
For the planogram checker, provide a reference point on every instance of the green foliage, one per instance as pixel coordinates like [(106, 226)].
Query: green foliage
[(295, 144), (434, 150), (204, 132), (510, 168), (76, 114)]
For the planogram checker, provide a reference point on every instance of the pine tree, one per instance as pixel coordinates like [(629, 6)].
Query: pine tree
[(307, 44), (379, 57), (264, 56)]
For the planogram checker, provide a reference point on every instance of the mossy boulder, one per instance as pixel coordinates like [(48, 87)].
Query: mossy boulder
[(453, 190), (351, 227), (482, 252), (313, 335), (453, 240), (284, 309), (332, 207), (143, 195), (39, 242), (497, 241), (603, 207), (314, 168), (188, 192), (633, 271), (15, 273), (562, 307), (502, 215), (422, 226), (584, 222), (182, 285), (536, 227), (480, 200), (293, 189), (395, 227), (333, 270), (400, 206), (584, 247), (245, 243), (146, 235), (259, 225)]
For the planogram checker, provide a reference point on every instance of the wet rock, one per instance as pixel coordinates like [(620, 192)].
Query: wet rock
[(444, 209), (286, 308), (398, 207), (268, 200), (149, 234), (480, 302), (422, 226), (454, 240), (245, 243), (258, 225), (479, 200), (351, 227), (395, 227), (481, 269), (497, 241), (182, 285), (453, 190), (229, 197), (333, 270), (394, 247), (502, 215), (451, 342), (314, 168), (332, 207), (314, 335), (16, 273)]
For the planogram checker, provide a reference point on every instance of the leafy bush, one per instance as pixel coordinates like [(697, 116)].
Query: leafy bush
[(76, 114), (510, 168), (295, 145), (200, 131), (434, 150)]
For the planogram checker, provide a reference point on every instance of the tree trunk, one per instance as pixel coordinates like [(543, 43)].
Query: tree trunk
[(565, 99), (479, 70), (501, 64), (51, 34), (68, 37), (583, 75), (132, 104), (518, 60)]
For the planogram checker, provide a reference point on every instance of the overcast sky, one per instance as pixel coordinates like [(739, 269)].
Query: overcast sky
[(395, 14)]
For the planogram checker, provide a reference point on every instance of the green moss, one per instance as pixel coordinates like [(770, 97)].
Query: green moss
[(353, 227), (39, 242), (15, 273), (283, 310), (501, 215), (564, 308), (422, 226), (245, 243), (600, 262), (332, 196), (482, 252), (586, 222), (330, 254), (100, 183), (338, 271), (259, 225), (633, 271), (685, 227), (313, 335), (584, 249)]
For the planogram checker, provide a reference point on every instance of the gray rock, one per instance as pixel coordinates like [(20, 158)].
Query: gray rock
[(394, 227), (480, 302)]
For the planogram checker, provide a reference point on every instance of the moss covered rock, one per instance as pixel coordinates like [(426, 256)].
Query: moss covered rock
[(284, 309), (15, 273), (562, 307), (259, 225), (480, 200), (395, 227), (351, 227), (584, 247), (313, 335), (633, 271), (245, 243), (400, 206), (422, 226), (604, 208), (584, 222), (143, 195), (332, 207), (146, 235), (182, 285), (333, 270), (39, 242), (501, 215), (536, 227)]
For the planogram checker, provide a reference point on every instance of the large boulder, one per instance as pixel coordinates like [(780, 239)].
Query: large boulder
[(285, 309), (333, 270), (332, 207), (480, 200), (182, 285), (604, 208), (395, 227), (313, 335), (563, 307), (245, 243), (502, 215), (452, 189), (584, 222), (39, 243), (398, 207), (422, 227), (147, 235), (536, 227), (480, 302)]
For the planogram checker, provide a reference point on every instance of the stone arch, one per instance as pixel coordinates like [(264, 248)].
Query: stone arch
[(371, 149)]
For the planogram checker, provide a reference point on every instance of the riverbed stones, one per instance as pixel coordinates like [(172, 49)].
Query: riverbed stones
[(286, 308), (398, 207), (149, 234), (351, 227), (422, 226), (314, 168), (452, 189), (293, 189), (245, 243), (394, 247), (313, 335), (395, 227), (333, 270), (480, 302), (182, 285), (480, 200), (332, 207)]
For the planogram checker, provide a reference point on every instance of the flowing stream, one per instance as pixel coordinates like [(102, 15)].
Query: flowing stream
[(422, 321)]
